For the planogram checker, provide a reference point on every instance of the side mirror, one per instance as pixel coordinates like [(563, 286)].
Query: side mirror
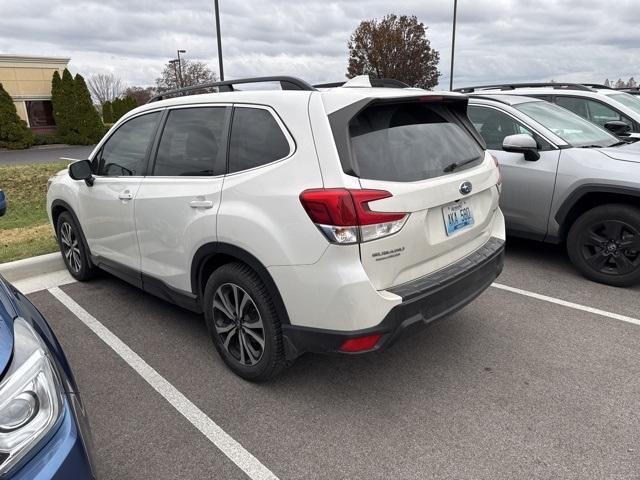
[(81, 170), (522, 143), (618, 128), (3, 203)]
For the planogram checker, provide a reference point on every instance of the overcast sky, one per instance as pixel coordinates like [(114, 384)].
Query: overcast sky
[(498, 40)]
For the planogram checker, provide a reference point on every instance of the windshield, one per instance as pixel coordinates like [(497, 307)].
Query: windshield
[(568, 126), (627, 100), (408, 142)]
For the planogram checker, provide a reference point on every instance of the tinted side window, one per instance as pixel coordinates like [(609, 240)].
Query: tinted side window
[(600, 114), (125, 151), (192, 143), (256, 139), (494, 126), (575, 105)]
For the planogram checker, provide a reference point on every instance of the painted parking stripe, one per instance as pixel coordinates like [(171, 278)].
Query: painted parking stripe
[(564, 303), (230, 447)]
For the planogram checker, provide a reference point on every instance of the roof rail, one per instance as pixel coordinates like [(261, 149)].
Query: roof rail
[(513, 86), (597, 85), (375, 82), (286, 83)]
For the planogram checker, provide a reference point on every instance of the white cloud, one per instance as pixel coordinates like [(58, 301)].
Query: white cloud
[(498, 40)]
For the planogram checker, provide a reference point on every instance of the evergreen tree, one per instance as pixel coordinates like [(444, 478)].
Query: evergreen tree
[(14, 132), (107, 112), (88, 128), (57, 100), (67, 104)]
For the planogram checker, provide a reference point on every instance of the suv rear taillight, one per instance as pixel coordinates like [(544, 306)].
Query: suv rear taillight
[(495, 160), (344, 216)]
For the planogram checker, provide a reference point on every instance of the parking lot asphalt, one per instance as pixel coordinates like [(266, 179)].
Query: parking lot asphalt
[(509, 387), (44, 154)]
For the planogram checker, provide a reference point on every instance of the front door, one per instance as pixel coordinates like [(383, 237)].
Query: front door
[(106, 209), (527, 187)]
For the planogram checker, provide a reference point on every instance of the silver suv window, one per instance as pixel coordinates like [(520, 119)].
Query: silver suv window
[(570, 127), (406, 142)]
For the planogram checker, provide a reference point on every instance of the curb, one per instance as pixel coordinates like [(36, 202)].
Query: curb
[(29, 267)]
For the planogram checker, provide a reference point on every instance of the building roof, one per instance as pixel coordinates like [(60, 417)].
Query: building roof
[(16, 60)]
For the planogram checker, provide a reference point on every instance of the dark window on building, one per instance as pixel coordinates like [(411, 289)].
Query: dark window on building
[(256, 139), (40, 113), (192, 143), (125, 152)]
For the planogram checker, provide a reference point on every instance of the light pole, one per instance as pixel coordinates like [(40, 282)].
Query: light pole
[(220, 66), (453, 42), (175, 70), (180, 67)]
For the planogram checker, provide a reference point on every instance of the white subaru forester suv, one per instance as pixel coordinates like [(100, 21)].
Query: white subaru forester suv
[(297, 220)]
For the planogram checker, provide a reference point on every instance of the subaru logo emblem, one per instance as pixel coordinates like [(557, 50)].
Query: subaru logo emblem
[(465, 188)]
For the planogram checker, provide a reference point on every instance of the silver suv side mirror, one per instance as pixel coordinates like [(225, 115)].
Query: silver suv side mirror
[(522, 143)]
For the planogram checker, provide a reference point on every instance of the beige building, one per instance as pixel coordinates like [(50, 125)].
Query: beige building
[(28, 81)]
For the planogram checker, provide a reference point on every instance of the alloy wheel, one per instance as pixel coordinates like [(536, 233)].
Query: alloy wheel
[(611, 247), (238, 323), (70, 247)]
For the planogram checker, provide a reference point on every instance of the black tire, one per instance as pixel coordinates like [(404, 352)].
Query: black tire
[(237, 336), (74, 253), (604, 244)]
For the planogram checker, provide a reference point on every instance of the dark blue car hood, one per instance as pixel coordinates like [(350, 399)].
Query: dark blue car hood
[(7, 314)]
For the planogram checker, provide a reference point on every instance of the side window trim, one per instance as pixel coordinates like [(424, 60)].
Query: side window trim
[(283, 128), (98, 156), (516, 119), (226, 131)]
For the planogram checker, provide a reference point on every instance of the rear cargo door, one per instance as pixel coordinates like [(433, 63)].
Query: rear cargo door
[(424, 154)]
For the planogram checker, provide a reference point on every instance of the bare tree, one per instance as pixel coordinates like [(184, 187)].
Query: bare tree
[(394, 47), (105, 87), (140, 94), (193, 73)]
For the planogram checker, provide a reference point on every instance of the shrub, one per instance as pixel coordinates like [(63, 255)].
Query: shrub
[(14, 132)]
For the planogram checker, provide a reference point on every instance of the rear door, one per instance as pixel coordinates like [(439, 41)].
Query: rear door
[(177, 204), (527, 188), (424, 154)]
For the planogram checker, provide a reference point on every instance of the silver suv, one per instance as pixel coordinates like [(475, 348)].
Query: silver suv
[(565, 180), (615, 110)]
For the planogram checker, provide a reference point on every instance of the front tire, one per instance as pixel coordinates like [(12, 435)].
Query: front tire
[(604, 244), (243, 323), (74, 253)]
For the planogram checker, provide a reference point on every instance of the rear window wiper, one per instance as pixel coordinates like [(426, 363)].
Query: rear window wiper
[(455, 165)]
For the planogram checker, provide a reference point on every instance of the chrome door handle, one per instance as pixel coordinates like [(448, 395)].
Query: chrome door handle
[(201, 204), (126, 195)]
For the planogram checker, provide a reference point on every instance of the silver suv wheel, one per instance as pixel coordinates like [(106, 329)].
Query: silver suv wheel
[(239, 324)]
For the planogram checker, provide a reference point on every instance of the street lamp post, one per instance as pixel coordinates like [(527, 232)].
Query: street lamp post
[(180, 67), (220, 66), (453, 42), (175, 70)]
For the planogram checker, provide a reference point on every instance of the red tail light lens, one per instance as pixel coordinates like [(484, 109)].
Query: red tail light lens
[(345, 217), (360, 344)]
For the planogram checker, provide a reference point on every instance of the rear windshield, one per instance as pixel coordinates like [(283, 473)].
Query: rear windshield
[(409, 142)]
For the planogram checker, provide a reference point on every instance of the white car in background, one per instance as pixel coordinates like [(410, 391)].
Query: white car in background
[(615, 110)]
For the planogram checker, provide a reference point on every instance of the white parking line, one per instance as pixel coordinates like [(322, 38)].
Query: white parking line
[(231, 448), (564, 303)]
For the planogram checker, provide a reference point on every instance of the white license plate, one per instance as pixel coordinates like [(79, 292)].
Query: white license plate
[(457, 216)]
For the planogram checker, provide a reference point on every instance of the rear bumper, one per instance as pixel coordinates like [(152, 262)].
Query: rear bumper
[(424, 301)]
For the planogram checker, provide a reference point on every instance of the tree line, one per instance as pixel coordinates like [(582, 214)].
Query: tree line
[(631, 83)]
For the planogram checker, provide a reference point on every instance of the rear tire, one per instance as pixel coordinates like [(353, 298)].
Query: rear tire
[(243, 323), (604, 244), (74, 253)]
